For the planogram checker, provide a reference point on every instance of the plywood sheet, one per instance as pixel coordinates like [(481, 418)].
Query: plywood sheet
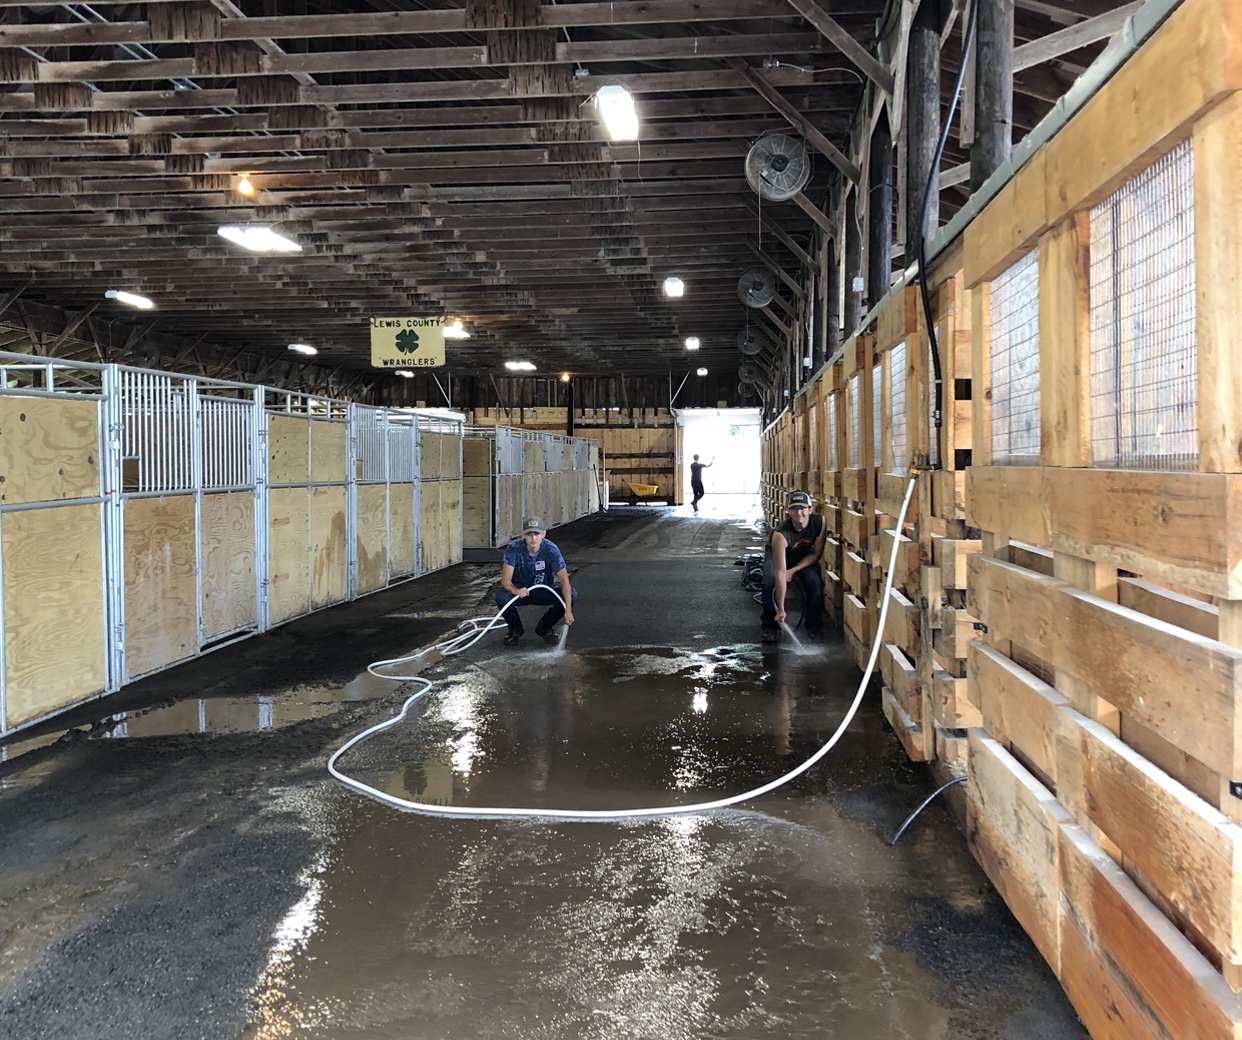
[(161, 595), (327, 452), (288, 559), (428, 520), (477, 456), (53, 609), (227, 540), (49, 449), (327, 546), (372, 537), (401, 543), (451, 521), (450, 456), (288, 449), (429, 452), (477, 511)]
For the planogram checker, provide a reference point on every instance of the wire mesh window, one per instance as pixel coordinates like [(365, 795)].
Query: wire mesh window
[(897, 406), (854, 422), (832, 432), (1015, 363), (877, 391), (1144, 406)]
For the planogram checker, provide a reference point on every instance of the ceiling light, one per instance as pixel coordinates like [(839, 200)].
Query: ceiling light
[(303, 348), (674, 287), (258, 239), (455, 331), (133, 299), (616, 107), (702, 371), (405, 374), (245, 187), (692, 342), (519, 366), (564, 377)]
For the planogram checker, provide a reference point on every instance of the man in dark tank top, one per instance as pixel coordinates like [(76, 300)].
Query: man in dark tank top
[(796, 548)]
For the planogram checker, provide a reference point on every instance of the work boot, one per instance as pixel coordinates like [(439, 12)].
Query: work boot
[(548, 633), (770, 635), (513, 638)]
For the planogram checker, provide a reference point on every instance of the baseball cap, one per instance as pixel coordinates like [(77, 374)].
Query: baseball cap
[(533, 524), (799, 498)]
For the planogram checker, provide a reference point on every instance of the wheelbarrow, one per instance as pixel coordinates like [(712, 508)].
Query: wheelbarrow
[(639, 491)]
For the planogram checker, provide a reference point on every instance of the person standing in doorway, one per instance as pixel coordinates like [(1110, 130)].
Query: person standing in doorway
[(530, 567), (797, 546), (696, 480)]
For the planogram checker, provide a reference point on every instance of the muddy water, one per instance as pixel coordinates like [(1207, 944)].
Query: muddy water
[(791, 918)]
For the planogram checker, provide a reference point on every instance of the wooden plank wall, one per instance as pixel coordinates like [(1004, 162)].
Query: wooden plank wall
[(227, 546), (1069, 637)]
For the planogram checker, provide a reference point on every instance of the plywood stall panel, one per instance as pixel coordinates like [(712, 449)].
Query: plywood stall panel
[(53, 610), (429, 544), (288, 554), (227, 546), (327, 546), (49, 449), (372, 537), (161, 596), (401, 542), (451, 521), (328, 462), (288, 449)]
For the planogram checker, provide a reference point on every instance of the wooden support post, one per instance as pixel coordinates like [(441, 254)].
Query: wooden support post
[(922, 120), (880, 212), (1065, 343), (853, 264), (993, 90), (832, 297)]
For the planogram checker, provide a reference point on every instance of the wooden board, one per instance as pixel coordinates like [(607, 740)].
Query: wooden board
[(950, 555), (53, 610), (1181, 846), (476, 494), (1179, 684), (951, 707), (909, 732), (288, 557), (857, 619), (901, 624), (49, 449), (477, 456), (1182, 528), (450, 521), (327, 452), (401, 541), (327, 546), (1129, 973), (898, 319), (372, 537), (288, 449), (1012, 823), (1007, 227), (161, 594), (227, 541)]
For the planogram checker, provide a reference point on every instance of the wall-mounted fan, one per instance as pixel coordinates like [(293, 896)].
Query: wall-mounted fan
[(778, 167), (750, 342), (757, 287), (750, 372)]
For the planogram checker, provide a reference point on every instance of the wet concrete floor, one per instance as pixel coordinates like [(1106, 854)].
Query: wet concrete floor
[(175, 862)]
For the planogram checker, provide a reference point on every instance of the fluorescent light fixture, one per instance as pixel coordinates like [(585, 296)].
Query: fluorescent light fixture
[(455, 331), (258, 239), (692, 343), (674, 287), (616, 108), (519, 366), (133, 299), (303, 348), (245, 187), (702, 371), (405, 373)]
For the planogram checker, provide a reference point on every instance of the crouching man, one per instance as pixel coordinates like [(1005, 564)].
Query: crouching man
[(531, 565), (797, 546)]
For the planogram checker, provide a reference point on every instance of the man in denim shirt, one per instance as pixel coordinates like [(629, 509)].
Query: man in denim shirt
[(531, 565)]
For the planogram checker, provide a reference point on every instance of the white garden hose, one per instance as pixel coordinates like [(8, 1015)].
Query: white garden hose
[(459, 643)]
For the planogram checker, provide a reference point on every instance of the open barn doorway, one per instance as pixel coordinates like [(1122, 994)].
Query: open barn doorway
[(729, 439)]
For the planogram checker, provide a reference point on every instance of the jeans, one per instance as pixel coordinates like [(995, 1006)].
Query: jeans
[(539, 596), (697, 488), (808, 580)]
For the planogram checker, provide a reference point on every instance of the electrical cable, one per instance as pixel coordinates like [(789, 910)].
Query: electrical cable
[(596, 815), (933, 179)]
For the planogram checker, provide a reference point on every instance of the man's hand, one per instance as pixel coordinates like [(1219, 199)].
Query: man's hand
[(569, 616), (780, 617), (522, 593)]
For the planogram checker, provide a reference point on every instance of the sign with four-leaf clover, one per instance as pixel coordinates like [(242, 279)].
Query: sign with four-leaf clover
[(407, 342)]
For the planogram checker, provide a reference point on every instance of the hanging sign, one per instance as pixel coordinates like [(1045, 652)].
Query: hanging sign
[(407, 342)]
